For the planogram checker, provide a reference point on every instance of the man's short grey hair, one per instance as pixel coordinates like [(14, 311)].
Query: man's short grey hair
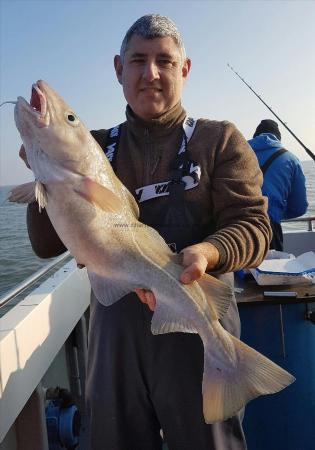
[(153, 26)]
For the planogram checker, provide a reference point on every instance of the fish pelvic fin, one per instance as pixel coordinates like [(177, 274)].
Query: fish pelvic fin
[(225, 392), (99, 195), (218, 294), (24, 193), (41, 195)]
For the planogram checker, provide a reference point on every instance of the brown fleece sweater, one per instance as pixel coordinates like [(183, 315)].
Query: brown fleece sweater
[(228, 196)]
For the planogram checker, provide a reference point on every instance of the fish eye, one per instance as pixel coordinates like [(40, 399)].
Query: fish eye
[(71, 118)]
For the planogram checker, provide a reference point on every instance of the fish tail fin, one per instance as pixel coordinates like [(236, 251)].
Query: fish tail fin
[(224, 394)]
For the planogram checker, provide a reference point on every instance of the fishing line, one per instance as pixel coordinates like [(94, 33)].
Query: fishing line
[(13, 103), (308, 151)]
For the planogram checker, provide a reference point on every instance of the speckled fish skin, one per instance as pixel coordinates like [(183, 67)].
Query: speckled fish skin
[(96, 217)]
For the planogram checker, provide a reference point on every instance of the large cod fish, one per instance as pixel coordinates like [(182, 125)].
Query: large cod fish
[(96, 217)]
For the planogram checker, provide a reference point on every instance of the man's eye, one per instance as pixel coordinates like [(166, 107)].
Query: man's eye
[(165, 62), (138, 61)]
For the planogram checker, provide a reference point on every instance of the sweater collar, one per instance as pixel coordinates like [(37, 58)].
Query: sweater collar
[(161, 126)]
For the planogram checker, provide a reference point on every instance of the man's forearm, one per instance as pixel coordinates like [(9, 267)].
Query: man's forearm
[(44, 239)]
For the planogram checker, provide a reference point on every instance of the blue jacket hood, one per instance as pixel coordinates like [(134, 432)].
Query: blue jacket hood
[(265, 141)]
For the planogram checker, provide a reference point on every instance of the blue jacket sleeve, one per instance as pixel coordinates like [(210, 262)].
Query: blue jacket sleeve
[(297, 201)]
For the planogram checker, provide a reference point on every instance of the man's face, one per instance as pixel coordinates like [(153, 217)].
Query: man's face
[(152, 75)]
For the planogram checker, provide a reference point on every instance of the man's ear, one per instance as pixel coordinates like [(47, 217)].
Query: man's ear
[(186, 68), (118, 68)]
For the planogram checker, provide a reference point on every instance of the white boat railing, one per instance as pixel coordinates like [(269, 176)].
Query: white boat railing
[(30, 281), (34, 331), (308, 219)]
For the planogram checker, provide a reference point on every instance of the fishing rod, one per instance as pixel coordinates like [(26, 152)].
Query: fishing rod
[(308, 151)]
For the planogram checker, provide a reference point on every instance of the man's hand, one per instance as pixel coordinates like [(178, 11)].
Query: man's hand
[(196, 259), (22, 155), (146, 297)]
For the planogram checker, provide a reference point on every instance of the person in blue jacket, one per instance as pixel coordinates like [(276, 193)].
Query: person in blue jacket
[(284, 180)]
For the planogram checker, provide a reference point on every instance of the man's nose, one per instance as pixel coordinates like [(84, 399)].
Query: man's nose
[(151, 72)]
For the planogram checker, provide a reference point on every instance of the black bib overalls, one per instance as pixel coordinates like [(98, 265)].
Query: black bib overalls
[(138, 383)]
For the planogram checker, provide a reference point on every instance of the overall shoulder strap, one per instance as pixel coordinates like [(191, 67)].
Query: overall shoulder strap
[(271, 158), (181, 164), (189, 125), (112, 142)]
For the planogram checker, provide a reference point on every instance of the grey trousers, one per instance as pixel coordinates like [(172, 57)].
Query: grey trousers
[(138, 384)]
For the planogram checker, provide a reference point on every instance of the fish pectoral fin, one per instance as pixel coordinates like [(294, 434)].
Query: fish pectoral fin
[(24, 193), (132, 203), (108, 291), (29, 193), (227, 389), (217, 293), (165, 320), (99, 195)]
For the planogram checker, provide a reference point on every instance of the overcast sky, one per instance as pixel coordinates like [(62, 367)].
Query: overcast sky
[(71, 45)]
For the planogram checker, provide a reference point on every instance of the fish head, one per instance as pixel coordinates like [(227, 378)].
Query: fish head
[(49, 126)]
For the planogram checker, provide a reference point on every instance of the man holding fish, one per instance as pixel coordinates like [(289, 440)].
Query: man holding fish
[(197, 183)]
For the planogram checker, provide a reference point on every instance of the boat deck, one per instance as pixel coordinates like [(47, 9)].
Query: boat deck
[(43, 343)]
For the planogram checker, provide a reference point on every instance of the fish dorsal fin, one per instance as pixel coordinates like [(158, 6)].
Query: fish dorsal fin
[(165, 320), (24, 193), (218, 294), (40, 195), (99, 195)]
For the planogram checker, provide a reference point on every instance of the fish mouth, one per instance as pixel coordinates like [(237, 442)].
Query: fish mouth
[(38, 100), (37, 106)]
